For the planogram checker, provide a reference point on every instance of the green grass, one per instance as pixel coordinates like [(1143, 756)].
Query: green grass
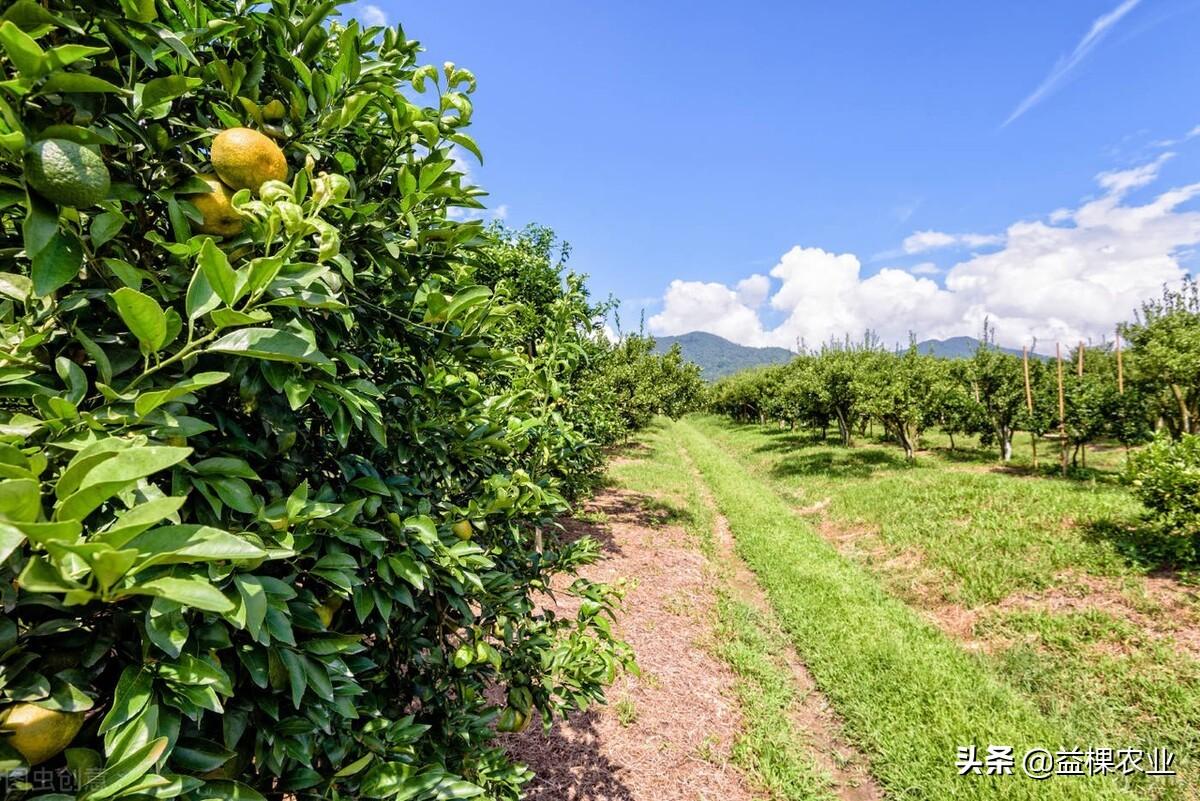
[(985, 535), (768, 748), (909, 695), (975, 537)]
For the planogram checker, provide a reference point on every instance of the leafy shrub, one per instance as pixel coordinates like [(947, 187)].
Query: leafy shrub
[(1166, 477), (270, 502)]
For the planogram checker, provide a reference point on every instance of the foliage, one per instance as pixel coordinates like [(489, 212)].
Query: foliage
[(1165, 356), (640, 383), (901, 392), (1166, 477), (232, 470)]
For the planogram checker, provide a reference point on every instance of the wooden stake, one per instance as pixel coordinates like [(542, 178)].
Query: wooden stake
[(1025, 366), (1029, 402), (1079, 370), (1120, 367), (1062, 408)]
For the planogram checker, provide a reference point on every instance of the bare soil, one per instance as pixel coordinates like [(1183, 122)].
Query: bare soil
[(1160, 606), (667, 735)]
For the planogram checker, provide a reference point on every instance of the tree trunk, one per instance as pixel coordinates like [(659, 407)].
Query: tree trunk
[(1004, 437), (951, 433), (1185, 416), (1033, 445), (907, 440), (843, 427)]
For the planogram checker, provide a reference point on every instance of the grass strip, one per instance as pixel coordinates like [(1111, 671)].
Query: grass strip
[(768, 748), (910, 697)]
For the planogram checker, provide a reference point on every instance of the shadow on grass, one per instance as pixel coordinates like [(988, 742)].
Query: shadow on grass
[(965, 455), (839, 463), (1145, 544)]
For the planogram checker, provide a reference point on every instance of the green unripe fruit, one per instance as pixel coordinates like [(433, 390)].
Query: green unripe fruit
[(67, 173)]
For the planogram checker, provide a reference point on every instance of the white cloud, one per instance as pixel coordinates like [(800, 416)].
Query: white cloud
[(1071, 276), (699, 306), (922, 241), (1122, 181), (753, 291), (1100, 27), (373, 15)]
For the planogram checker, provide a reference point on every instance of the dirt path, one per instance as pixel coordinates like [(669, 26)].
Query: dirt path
[(665, 736), (812, 715)]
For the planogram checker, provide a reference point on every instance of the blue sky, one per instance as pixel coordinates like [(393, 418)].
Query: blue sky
[(772, 159)]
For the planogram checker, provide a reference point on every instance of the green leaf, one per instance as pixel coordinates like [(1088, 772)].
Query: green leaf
[(228, 318), (457, 788), (228, 791), (68, 54), (271, 344), (24, 52), (20, 500), (220, 275), (78, 82), (110, 566), (169, 545), (10, 539), (149, 401), (56, 264), (124, 773), (465, 300), (141, 517), (40, 224), (166, 626), (29, 15), (354, 767), (130, 697), (200, 756), (97, 355), (254, 601), (161, 90), (194, 592), (105, 226), (201, 299), (144, 317), (17, 287), (114, 474)]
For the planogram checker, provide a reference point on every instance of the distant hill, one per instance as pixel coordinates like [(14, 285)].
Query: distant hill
[(961, 347), (718, 357)]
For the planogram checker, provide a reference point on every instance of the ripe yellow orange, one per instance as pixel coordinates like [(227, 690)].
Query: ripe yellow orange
[(246, 159), (37, 733), (220, 218)]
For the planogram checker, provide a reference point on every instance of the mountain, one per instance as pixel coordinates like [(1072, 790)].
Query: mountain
[(718, 357), (961, 348)]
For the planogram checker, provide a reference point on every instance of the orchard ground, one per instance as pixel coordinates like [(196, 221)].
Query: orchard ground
[(835, 622)]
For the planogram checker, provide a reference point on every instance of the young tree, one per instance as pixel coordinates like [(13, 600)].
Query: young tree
[(997, 382), (899, 391), (1164, 356), (835, 370)]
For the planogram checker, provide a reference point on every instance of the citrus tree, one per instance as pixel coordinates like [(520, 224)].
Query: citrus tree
[(273, 472), (1164, 356)]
